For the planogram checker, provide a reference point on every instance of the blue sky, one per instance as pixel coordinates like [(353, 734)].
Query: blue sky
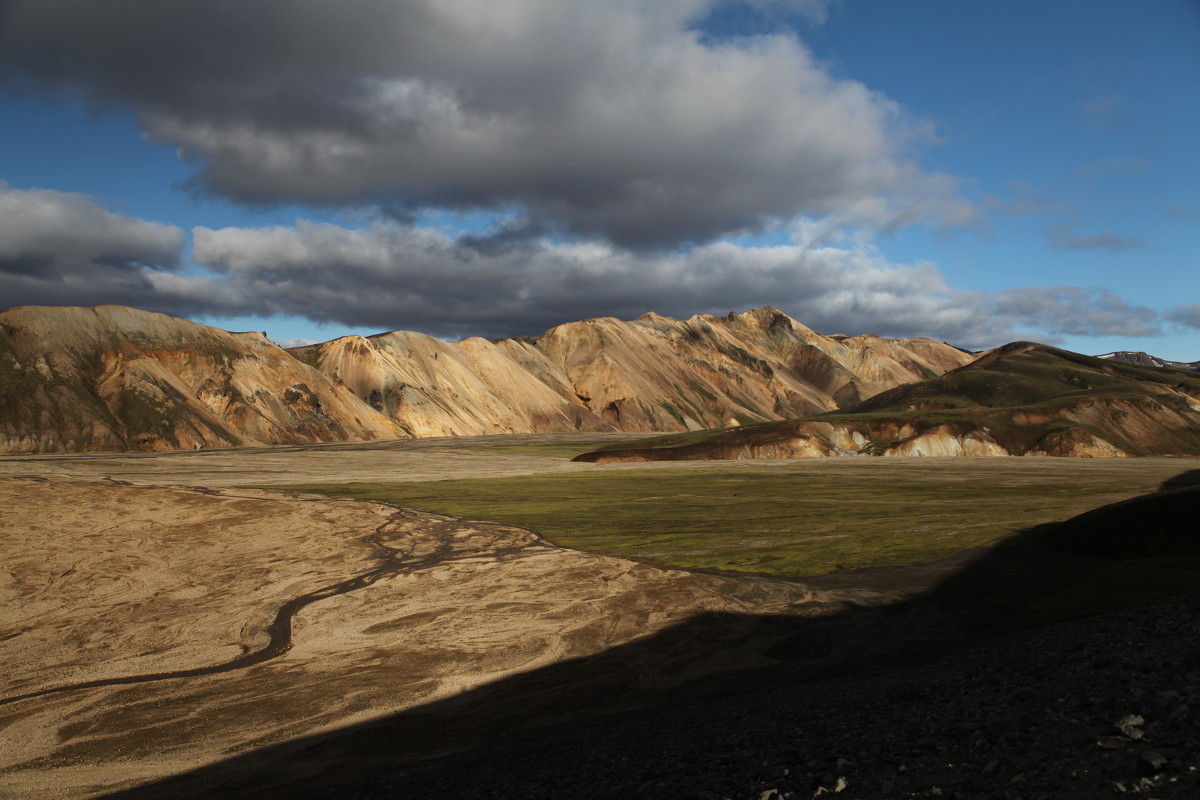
[(975, 172)]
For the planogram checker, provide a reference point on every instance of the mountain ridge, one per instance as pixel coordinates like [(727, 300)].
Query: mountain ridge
[(1144, 359), (1022, 398), (116, 378)]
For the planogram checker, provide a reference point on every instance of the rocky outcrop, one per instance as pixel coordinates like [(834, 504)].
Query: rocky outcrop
[(1144, 359), (114, 378)]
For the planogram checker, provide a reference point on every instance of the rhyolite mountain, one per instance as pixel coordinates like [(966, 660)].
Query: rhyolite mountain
[(116, 378), (650, 374), (1019, 399), (1144, 359)]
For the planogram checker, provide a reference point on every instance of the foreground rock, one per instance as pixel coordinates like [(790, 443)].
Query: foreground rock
[(1104, 707)]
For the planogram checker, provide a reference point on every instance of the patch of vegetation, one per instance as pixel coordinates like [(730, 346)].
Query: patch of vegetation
[(673, 411), (142, 414), (1023, 375), (703, 392), (744, 358), (225, 355), (307, 355), (749, 405), (793, 520), (649, 412)]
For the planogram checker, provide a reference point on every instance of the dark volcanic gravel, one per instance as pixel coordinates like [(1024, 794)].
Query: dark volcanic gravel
[(1107, 706)]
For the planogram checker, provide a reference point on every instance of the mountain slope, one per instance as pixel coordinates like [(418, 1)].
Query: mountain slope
[(1143, 359), (113, 378), (1020, 399), (650, 374)]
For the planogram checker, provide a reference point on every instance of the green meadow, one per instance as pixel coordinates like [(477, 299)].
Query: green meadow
[(794, 519)]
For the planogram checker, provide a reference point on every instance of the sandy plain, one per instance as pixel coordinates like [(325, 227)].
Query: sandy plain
[(156, 619), (132, 615)]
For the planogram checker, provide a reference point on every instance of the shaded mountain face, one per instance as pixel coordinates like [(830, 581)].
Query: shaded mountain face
[(1146, 360), (1020, 399), (113, 378)]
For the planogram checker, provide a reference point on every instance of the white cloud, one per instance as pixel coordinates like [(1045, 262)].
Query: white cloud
[(610, 120), (392, 276), (58, 247)]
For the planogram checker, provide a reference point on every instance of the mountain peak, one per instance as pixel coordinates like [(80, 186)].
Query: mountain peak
[(117, 378)]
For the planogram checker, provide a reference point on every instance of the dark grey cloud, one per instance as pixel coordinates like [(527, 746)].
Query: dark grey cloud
[(391, 276), (64, 249), (1063, 237), (605, 120), (56, 247), (1187, 315)]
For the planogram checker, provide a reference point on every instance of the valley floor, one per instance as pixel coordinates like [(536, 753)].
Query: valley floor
[(162, 629)]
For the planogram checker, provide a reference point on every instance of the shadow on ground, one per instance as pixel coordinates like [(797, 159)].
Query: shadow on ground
[(1139, 551)]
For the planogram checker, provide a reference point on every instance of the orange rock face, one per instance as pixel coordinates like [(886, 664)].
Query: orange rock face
[(115, 378), (650, 374)]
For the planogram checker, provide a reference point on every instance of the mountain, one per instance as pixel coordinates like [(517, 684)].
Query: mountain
[(1020, 399), (115, 378), (651, 374), (1146, 360)]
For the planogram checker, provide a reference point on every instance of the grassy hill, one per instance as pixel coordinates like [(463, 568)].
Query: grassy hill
[(1020, 399)]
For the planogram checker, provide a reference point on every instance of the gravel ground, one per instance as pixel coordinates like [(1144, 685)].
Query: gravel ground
[(1107, 706)]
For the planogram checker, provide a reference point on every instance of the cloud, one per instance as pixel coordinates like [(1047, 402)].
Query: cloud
[(1063, 237), (289, 343), (1073, 311), (1186, 315), (64, 249), (614, 121), (392, 276), (57, 247)]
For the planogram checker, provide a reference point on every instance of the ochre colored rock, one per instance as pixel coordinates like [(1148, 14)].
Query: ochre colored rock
[(113, 378)]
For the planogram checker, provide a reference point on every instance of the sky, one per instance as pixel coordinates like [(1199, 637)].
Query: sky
[(977, 172)]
